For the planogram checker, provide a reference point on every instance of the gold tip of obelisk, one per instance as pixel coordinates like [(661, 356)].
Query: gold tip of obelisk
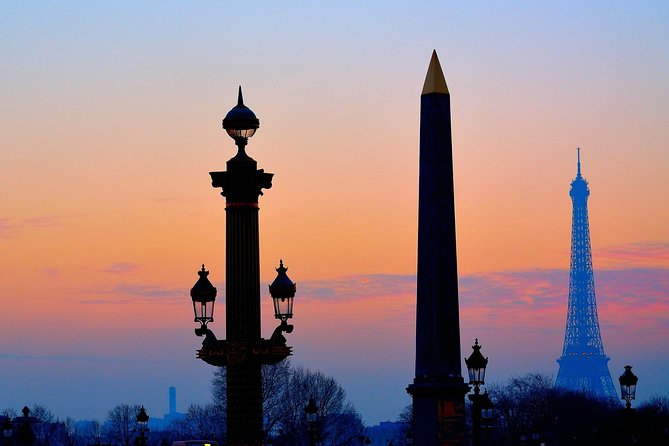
[(434, 80)]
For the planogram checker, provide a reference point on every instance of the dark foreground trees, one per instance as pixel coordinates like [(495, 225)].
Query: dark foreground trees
[(529, 410), (286, 392)]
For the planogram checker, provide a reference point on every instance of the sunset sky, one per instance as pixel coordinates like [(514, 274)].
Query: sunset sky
[(110, 120)]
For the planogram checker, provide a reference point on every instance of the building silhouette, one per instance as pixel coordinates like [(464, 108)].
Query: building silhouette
[(159, 424), (583, 364)]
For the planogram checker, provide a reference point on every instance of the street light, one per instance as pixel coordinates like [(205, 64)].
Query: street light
[(240, 122), (142, 420), (203, 294), (243, 351), (311, 410), (628, 382), (282, 291), (476, 365), (143, 426)]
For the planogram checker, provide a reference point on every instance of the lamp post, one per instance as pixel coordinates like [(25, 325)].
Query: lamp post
[(311, 411), (7, 431), (486, 406), (243, 352), (476, 365), (143, 426), (628, 382)]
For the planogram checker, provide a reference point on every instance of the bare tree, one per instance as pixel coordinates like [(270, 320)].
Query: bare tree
[(275, 379), (339, 422), (92, 432), (204, 422), (406, 418), (653, 421), (9, 412), (121, 423), (286, 392), (46, 427), (529, 406), (69, 433)]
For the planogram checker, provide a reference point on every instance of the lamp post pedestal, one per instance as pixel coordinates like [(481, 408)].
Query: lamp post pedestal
[(628, 381), (476, 417)]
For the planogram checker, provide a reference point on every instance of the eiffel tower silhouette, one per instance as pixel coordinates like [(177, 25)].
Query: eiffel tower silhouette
[(583, 364)]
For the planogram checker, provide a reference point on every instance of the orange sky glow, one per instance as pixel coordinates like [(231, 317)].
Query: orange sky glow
[(110, 123)]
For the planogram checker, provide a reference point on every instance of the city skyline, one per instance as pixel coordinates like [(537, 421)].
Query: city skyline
[(111, 122)]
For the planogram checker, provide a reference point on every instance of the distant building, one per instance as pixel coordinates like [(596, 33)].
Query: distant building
[(160, 424)]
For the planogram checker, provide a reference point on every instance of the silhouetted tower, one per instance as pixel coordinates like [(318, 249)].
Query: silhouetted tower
[(173, 401), (583, 364), (438, 389)]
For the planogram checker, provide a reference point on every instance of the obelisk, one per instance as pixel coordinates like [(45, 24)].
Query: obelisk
[(438, 389)]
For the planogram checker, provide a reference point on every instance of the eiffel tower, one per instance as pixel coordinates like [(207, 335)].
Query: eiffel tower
[(583, 364)]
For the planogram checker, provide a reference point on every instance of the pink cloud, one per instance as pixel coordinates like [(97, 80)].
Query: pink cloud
[(48, 221), (10, 227), (643, 253), (358, 287), (522, 300), (122, 268), (49, 272), (134, 293), (6, 228)]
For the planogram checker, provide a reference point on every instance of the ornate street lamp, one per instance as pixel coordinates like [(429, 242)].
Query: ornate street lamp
[(311, 411), (142, 424), (240, 122), (628, 382), (243, 351), (142, 420), (203, 294), (476, 365), (282, 291)]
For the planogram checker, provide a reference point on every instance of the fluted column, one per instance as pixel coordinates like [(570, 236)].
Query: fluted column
[(242, 183)]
